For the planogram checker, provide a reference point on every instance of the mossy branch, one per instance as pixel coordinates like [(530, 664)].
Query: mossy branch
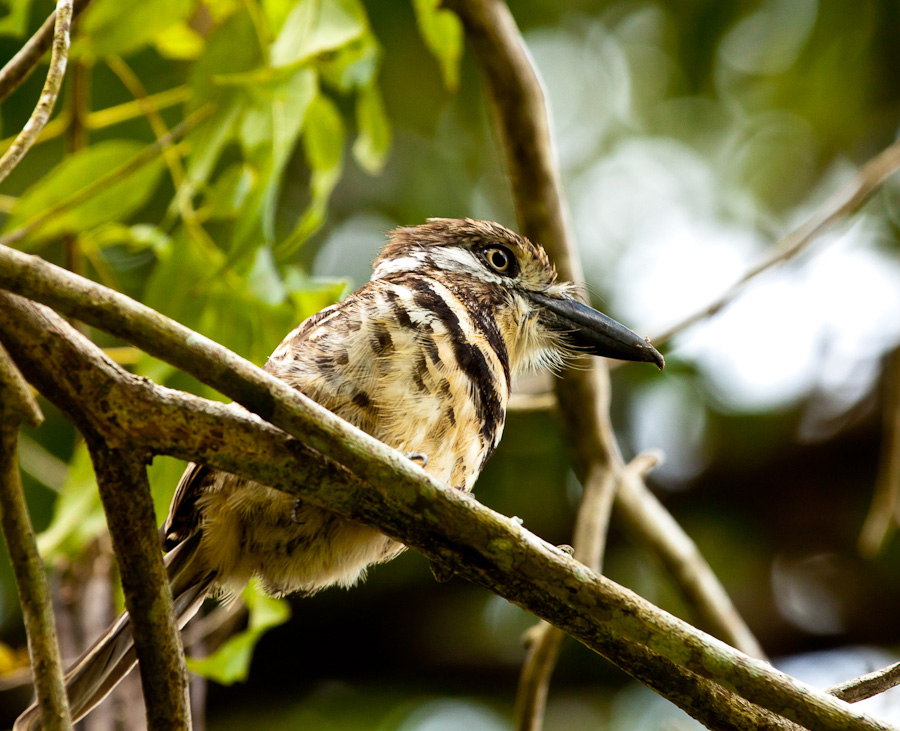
[(330, 463)]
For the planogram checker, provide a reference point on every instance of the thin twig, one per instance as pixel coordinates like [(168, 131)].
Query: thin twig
[(77, 139), (381, 488), (110, 116), (170, 153), (866, 686), (654, 527), (17, 405), (102, 183), (866, 182), (544, 641), (131, 82), (884, 513), (20, 66), (50, 92)]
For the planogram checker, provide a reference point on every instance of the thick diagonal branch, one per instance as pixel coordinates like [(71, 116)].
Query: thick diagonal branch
[(377, 486)]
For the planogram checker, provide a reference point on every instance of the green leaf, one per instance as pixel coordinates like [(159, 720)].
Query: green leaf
[(164, 474), (139, 236), (277, 12), (312, 295), (115, 27), (263, 280), (231, 662), (221, 10), (373, 140), (15, 21), (116, 202), (268, 133), (179, 42), (181, 262), (324, 135), (206, 145), (317, 26), (228, 194), (231, 48), (353, 66), (323, 143), (443, 34)]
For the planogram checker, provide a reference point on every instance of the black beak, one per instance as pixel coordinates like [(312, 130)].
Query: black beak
[(593, 332)]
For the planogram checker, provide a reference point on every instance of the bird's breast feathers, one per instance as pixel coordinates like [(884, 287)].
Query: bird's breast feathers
[(409, 360)]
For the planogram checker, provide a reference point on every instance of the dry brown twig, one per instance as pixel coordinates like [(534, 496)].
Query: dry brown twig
[(125, 493), (41, 113), (867, 686), (544, 641), (522, 122)]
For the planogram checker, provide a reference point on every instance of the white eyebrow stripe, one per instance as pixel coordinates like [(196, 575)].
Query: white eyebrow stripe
[(403, 264)]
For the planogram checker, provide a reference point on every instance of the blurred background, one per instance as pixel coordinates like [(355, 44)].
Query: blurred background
[(692, 135)]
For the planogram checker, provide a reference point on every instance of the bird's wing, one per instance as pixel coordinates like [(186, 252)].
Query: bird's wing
[(184, 516)]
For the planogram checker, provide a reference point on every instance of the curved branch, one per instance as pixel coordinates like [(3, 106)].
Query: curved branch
[(104, 181), (50, 92), (20, 66), (18, 405), (381, 489)]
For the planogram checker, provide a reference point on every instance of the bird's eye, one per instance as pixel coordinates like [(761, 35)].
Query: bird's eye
[(498, 258)]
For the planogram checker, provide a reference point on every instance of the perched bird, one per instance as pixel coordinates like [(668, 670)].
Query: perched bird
[(421, 357)]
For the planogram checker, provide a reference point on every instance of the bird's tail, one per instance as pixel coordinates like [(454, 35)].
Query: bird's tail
[(112, 657)]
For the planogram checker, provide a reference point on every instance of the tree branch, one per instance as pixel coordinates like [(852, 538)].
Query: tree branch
[(544, 641), (20, 66), (128, 504), (50, 92), (110, 116), (382, 489), (583, 395), (104, 181), (866, 686), (17, 405)]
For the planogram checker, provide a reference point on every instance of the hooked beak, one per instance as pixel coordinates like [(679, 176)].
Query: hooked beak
[(593, 332)]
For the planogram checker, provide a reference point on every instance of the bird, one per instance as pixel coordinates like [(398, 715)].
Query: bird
[(422, 357)]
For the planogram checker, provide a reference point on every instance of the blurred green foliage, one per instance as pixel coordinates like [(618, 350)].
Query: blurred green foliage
[(272, 78), (691, 134)]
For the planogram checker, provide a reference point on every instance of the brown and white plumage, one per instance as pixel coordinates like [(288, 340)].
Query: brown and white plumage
[(421, 357)]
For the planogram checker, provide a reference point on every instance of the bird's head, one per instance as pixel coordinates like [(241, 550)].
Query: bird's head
[(542, 319)]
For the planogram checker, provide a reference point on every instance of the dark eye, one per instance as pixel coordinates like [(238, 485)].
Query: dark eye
[(499, 259)]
